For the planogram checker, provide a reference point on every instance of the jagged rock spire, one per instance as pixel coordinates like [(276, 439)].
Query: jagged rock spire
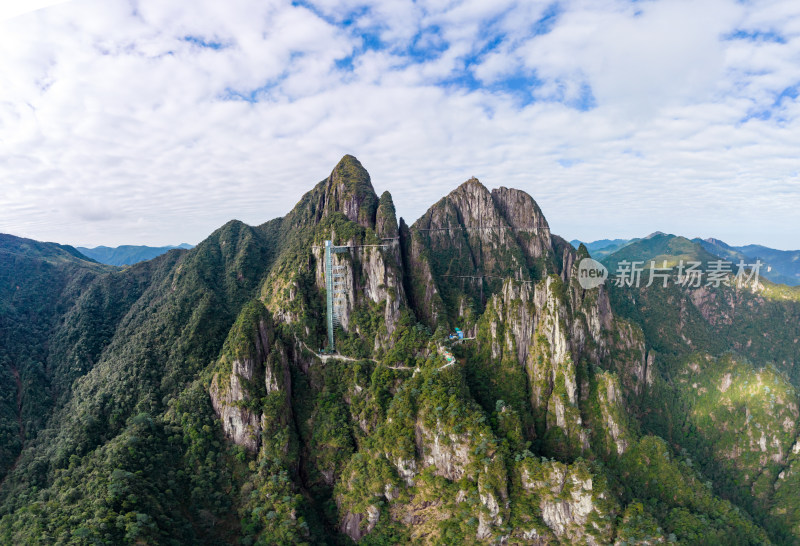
[(349, 191)]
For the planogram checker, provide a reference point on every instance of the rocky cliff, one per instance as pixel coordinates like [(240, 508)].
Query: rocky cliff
[(247, 370), (463, 247), (487, 262), (344, 209)]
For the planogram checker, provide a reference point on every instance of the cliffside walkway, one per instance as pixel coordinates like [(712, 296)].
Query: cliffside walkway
[(448, 356)]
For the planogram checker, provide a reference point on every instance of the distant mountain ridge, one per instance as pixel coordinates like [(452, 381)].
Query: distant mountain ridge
[(603, 247), (780, 266), (49, 252), (127, 254), (660, 247)]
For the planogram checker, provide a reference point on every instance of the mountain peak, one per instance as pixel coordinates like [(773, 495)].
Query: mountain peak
[(386, 216), (350, 171), (471, 184), (349, 191), (717, 242), (519, 209), (471, 198)]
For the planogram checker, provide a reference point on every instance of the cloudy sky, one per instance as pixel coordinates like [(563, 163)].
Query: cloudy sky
[(154, 122)]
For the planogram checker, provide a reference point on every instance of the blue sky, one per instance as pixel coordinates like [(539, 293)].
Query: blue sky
[(154, 122)]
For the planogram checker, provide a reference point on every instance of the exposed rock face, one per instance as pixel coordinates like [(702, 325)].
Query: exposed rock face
[(613, 415), (596, 308), (535, 325), (386, 217), (493, 502), (485, 521), (240, 425), (573, 507), (348, 190), (383, 282), (375, 273), (369, 275), (712, 305), (355, 526), (451, 455), (406, 469), (536, 318), (530, 228), (433, 441), (478, 227), (625, 353), (565, 256), (750, 416), (468, 241), (594, 305), (249, 345), (447, 453), (423, 292)]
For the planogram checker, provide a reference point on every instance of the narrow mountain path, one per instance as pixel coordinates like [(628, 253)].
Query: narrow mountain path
[(325, 358), (448, 356)]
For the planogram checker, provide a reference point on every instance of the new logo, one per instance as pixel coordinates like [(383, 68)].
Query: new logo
[(591, 273)]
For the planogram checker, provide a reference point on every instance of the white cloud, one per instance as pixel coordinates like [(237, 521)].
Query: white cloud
[(10, 9), (113, 127)]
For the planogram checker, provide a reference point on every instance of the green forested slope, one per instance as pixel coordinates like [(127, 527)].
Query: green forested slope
[(38, 286), (727, 392)]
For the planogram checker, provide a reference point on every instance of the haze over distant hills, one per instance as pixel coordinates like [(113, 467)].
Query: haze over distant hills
[(780, 266), (127, 254)]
